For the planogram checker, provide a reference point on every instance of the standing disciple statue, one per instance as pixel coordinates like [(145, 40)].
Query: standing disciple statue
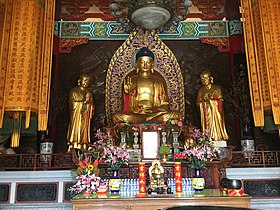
[(144, 94), (81, 111), (210, 103)]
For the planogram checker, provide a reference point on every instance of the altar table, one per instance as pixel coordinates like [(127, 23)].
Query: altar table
[(209, 197)]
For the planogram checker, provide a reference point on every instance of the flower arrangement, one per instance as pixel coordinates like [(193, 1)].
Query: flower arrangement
[(87, 165), (87, 179), (114, 155), (199, 149)]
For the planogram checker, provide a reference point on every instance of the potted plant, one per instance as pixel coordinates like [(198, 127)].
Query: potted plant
[(87, 177), (115, 156), (198, 150), (164, 150)]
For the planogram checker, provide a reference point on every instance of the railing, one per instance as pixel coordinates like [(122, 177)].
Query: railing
[(36, 161), (255, 159), (65, 160)]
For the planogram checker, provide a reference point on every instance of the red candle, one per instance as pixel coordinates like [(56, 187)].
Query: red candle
[(142, 178), (178, 177)]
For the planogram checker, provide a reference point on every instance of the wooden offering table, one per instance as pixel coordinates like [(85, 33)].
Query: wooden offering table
[(209, 197)]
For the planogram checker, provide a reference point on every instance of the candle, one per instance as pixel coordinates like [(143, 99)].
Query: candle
[(178, 177)]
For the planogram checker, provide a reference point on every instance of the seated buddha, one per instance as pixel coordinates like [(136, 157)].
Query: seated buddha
[(144, 94), (156, 172)]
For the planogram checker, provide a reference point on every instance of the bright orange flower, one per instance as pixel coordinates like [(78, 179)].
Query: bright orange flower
[(81, 164), (86, 161), (95, 163)]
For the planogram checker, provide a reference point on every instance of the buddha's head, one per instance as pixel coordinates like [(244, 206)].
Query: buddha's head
[(145, 61), (206, 78)]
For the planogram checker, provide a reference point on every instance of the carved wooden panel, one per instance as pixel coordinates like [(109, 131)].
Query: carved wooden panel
[(36, 192), (262, 188), (4, 192)]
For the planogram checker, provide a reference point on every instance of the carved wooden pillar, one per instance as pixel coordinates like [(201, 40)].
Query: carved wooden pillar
[(236, 47)]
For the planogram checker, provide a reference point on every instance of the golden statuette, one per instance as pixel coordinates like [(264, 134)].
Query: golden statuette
[(156, 172)]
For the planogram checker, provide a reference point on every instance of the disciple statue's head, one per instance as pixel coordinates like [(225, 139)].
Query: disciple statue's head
[(206, 78), (84, 80)]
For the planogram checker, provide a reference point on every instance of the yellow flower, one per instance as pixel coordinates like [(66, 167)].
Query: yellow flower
[(90, 167)]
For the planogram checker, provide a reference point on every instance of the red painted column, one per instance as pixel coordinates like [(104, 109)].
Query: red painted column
[(54, 82), (236, 44)]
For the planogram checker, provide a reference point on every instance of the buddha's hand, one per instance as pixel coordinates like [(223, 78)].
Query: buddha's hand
[(127, 85), (146, 110), (163, 107)]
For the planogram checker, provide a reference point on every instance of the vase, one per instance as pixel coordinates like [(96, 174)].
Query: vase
[(115, 182), (46, 150), (198, 182)]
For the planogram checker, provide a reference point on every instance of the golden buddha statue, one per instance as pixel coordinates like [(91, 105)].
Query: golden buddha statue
[(210, 103), (156, 172), (81, 111), (144, 94)]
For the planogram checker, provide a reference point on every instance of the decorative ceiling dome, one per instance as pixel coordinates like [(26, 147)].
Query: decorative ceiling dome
[(150, 14)]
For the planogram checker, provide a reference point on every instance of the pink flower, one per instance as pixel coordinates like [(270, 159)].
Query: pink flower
[(198, 151), (114, 159), (180, 123)]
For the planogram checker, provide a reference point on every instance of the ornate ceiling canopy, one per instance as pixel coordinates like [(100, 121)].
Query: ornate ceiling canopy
[(150, 14), (80, 10)]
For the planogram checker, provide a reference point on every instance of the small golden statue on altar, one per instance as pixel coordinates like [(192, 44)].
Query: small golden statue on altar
[(157, 184)]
